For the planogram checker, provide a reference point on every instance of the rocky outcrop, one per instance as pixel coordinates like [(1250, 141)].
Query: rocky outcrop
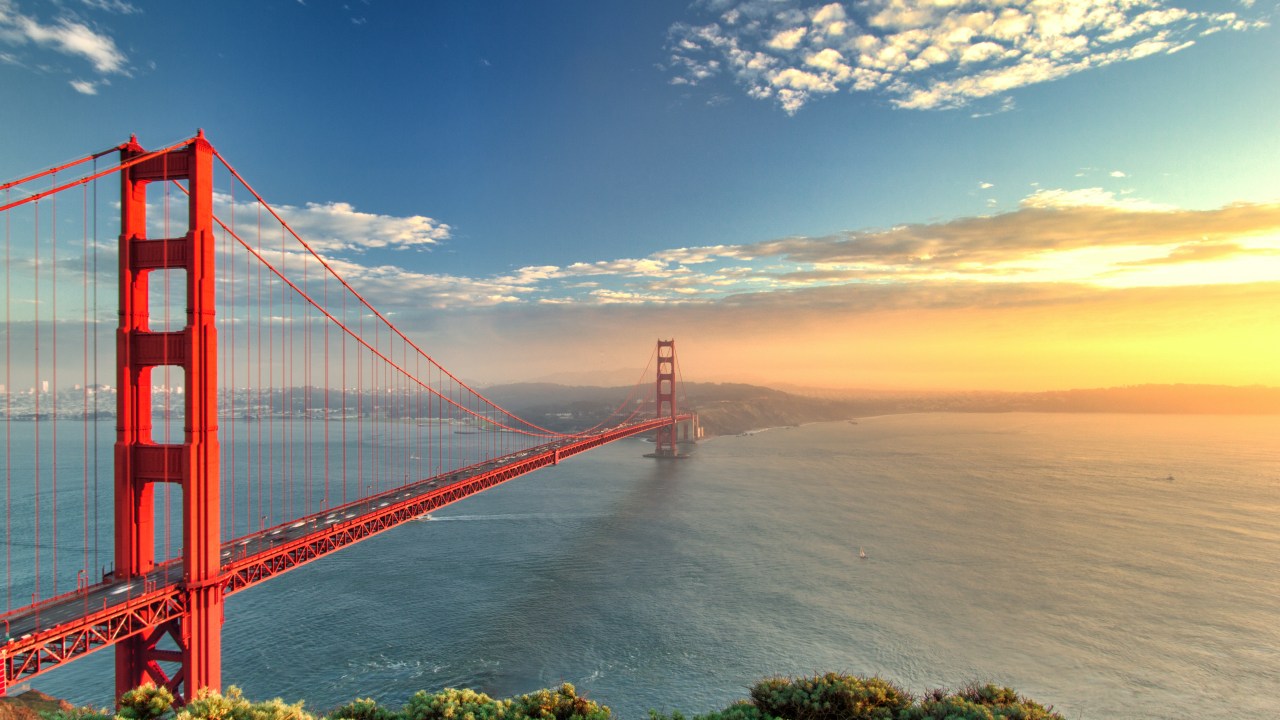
[(29, 705)]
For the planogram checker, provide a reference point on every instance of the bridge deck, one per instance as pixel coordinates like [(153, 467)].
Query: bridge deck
[(58, 630)]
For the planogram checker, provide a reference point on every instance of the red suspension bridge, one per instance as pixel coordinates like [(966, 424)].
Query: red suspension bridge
[(265, 413)]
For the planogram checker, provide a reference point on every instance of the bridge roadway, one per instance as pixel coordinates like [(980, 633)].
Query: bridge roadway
[(39, 637)]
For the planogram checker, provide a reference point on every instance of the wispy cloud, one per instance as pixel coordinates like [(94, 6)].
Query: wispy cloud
[(931, 55), (340, 227), (67, 35), (113, 6), (85, 87), (1083, 237), (1202, 251)]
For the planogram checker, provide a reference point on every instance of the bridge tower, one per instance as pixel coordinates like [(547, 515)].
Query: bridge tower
[(141, 461), (666, 399)]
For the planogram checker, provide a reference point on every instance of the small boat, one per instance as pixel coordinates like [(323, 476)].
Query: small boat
[(862, 554)]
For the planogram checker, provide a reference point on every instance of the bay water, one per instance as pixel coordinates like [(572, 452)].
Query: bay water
[(1114, 566)]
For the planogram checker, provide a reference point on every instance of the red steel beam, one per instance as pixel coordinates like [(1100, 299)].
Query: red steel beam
[(160, 602)]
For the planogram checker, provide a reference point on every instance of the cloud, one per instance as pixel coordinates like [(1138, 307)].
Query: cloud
[(1083, 237), (339, 226), (113, 6), (1202, 251), (66, 35), (1088, 197), (952, 335), (923, 56), (84, 87), (1038, 227)]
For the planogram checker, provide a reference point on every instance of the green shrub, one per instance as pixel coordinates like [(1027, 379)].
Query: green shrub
[(978, 702), (145, 702), (950, 707), (833, 696), (211, 705), (562, 703), (80, 713), (364, 709), (451, 704)]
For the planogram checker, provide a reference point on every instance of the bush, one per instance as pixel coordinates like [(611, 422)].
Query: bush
[(80, 713), (451, 704), (978, 702), (364, 709), (563, 703), (211, 705), (833, 696), (145, 702)]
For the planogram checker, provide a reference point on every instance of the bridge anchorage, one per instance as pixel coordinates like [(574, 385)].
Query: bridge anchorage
[(330, 424)]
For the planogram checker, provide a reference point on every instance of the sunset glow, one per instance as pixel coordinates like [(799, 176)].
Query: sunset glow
[(1020, 196)]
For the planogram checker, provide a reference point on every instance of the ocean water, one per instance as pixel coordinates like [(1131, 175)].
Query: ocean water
[(1114, 566)]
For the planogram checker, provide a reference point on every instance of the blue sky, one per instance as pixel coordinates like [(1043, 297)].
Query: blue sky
[(598, 171)]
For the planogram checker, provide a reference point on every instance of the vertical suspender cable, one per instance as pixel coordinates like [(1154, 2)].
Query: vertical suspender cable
[(97, 389), (8, 414), (229, 365), (327, 382), (38, 388), (271, 397), (257, 313), (346, 469), (306, 403), (53, 411), (360, 415), (84, 376)]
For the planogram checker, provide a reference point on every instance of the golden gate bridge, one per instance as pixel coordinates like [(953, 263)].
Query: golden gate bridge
[(265, 413)]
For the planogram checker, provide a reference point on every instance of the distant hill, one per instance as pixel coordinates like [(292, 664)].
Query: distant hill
[(723, 408), (731, 408), (1166, 399)]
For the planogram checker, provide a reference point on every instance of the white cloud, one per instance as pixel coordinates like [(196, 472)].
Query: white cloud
[(646, 266), (338, 226), (1118, 174), (931, 55), (1089, 197), (115, 6), (68, 36), (1085, 235), (787, 39), (692, 256)]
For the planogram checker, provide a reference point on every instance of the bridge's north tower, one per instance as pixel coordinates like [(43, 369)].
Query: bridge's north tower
[(666, 397), (140, 461)]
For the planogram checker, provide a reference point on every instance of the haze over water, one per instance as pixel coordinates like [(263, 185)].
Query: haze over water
[(1114, 566)]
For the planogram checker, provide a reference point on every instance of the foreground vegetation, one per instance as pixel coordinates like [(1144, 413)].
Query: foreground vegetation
[(833, 696)]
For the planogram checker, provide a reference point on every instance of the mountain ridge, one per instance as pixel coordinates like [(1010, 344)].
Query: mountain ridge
[(731, 408)]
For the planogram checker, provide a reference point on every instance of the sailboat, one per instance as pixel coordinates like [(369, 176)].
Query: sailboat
[(862, 554)]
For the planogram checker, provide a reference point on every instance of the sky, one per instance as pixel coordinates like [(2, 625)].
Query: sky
[(1005, 195)]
